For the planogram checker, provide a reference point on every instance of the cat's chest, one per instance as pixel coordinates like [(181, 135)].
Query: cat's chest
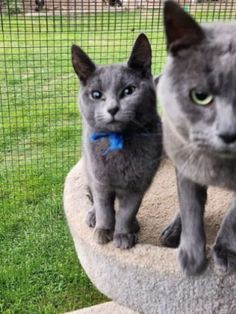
[(208, 170), (134, 164), (205, 169)]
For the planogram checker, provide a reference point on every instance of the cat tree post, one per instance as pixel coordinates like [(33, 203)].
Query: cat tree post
[(147, 279)]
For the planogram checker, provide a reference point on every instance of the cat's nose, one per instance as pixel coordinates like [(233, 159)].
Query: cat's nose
[(228, 138), (113, 110)]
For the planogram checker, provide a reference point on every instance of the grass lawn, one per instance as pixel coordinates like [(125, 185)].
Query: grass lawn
[(40, 132)]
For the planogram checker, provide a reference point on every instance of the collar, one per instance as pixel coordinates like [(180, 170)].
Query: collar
[(115, 140)]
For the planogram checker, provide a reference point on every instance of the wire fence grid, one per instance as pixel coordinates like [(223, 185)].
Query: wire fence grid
[(38, 86), (40, 127)]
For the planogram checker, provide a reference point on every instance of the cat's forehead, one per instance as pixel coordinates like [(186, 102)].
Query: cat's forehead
[(215, 57), (221, 32), (221, 38), (112, 75)]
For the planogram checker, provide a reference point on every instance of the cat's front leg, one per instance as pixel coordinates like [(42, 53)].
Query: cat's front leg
[(170, 236), (224, 250), (127, 226), (104, 214), (192, 251)]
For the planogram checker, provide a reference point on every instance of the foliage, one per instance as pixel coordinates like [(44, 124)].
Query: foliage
[(12, 6)]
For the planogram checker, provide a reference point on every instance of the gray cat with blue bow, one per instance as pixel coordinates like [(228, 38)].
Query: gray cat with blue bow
[(122, 140)]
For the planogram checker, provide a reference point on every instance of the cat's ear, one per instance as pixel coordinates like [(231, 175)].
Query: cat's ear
[(83, 65), (182, 31), (141, 56)]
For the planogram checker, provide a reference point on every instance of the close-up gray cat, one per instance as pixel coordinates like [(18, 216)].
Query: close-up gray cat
[(198, 91), (122, 140)]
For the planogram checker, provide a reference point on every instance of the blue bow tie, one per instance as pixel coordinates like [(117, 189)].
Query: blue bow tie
[(116, 140)]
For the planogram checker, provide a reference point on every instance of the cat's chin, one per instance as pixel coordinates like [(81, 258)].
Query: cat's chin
[(220, 153), (226, 154), (114, 126)]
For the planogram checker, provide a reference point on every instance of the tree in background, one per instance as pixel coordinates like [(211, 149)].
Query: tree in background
[(11, 6)]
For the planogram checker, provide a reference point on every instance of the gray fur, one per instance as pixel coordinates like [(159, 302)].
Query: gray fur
[(125, 174), (201, 141)]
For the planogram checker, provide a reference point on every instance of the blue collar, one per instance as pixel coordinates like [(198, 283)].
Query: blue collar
[(115, 139)]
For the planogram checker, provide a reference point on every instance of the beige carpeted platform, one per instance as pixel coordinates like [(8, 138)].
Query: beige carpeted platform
[(105, 308), (147, 278)]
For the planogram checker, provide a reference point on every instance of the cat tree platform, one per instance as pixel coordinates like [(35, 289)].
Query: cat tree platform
[(147, 279)]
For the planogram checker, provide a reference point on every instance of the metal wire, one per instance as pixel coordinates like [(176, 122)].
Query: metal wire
[(40, 128)]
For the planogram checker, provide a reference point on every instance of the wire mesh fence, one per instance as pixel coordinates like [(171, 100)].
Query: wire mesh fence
[(40, 127)]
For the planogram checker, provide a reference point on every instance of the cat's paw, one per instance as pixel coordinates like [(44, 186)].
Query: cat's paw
[(135, 227), (103, 236), (170, 236), (125, 240), (224, 258), (192, 260), (91, 218)]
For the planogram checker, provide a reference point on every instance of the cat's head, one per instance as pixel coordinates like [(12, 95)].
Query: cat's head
[(114, 96), (198, 85)]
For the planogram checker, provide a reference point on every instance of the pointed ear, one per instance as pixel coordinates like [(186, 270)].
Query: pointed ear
[(83, 65), (141, 56), (182, 31)]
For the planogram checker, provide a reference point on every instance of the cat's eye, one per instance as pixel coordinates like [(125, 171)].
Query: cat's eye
[(200, 97), (128, 91), (96, 94)]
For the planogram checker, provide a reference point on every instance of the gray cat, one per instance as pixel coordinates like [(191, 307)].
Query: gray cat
[(122, 139), (198, 91)]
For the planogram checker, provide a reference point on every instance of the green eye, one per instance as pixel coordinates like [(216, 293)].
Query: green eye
[(96, 94), (200, 97), (128, 91)]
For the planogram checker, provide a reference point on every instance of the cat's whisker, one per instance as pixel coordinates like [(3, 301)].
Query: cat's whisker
[(184, 149), (185, 165), (101, 117), (188, 161)]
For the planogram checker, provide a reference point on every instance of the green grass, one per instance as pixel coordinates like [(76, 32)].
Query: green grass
[(39, 142), (40, 131)]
